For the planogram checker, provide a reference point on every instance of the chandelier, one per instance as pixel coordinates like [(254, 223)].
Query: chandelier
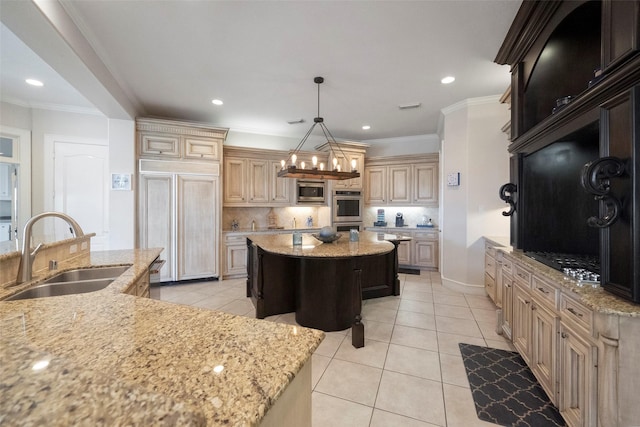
[(290, 169)]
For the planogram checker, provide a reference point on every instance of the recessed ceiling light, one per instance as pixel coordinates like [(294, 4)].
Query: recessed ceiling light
[(34, 82), (217, 102), (447, 80), (366, 127)]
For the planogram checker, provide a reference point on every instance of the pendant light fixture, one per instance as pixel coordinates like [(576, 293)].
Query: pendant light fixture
[(291, 170)]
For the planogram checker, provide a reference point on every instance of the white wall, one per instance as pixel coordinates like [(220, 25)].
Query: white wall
[(120, 135), (474, 146), (419, 144)]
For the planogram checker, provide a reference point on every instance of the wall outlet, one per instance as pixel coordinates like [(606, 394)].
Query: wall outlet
[(453, 179)]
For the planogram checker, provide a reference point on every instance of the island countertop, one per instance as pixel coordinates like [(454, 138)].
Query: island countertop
[(118, 359), (369, 243)]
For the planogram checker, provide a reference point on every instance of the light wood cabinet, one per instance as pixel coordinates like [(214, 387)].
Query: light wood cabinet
[(507, 304), (235, 255), (544, 332), (578, 375), (179, 196), (235, 181), (421, 251), (401, 181), (251, 178), (169, 139), (490, 272), (179, 213), (344, 160), (521, 332)]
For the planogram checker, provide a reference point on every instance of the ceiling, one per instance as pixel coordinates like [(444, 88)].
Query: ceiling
[(171, 58)]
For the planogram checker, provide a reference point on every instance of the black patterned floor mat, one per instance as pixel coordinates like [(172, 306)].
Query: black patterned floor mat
[(504, 389)]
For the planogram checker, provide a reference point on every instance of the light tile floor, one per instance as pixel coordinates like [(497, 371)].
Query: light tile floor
[(409, 373)]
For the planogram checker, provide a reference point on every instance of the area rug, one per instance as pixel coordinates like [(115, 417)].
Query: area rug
[(504, 389)]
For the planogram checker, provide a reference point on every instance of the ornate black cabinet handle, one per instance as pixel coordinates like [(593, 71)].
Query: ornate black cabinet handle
[(595, 180), (506, 193)]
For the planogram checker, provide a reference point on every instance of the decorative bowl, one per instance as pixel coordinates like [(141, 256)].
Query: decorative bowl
[(327, 239)]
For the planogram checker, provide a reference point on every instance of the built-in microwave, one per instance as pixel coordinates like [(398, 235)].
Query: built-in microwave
[(310, 192), (347, 206)]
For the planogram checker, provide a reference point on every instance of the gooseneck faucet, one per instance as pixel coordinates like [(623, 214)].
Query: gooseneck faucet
[(26, 261)]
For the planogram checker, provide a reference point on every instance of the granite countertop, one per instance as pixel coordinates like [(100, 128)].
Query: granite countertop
[(369, 244), (597, 299), (272, 230), (116, 359), (405, 228)]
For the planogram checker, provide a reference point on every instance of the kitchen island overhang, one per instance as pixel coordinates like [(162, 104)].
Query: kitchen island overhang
[(324, 283)]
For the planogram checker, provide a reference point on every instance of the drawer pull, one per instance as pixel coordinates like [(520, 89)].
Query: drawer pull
[(575, 313), (544, 291), (564, 335), (507, 286)]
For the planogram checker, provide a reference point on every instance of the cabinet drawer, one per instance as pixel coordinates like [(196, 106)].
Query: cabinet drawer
[(490, 266), (543, 291), (507, 266), (574, 311), (522, 275), (195, 148), (157, 145), (490, 286), (425, 235), (235, 239), (490, 250)]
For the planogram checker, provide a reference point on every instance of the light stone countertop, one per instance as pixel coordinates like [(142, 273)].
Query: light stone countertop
[(369, 244), (116, 359), (597, 299)]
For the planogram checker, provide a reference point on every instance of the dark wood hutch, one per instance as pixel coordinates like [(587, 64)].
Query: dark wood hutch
[(575, 89)]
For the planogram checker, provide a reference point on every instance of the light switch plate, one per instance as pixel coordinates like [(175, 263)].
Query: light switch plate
[(453, 179)]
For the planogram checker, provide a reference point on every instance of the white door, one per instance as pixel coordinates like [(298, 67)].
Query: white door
[(81, 189)]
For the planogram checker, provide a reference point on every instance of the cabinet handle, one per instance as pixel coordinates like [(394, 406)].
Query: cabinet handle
[(575, 313), (544, 291), (527, 302), (507, 286), (564, 335)]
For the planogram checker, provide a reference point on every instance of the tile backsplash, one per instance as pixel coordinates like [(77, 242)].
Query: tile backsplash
[(412, 215), (320, 217)]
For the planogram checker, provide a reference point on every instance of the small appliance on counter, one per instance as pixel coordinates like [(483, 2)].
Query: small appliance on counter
[(380, 219), (399, 220), (425, 223)]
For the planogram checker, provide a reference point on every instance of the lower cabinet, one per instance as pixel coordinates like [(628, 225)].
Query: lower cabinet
[(544, 333), (422, 251), (578, 375), (521, 332), (234, 253), (404, 253), (140, 288)]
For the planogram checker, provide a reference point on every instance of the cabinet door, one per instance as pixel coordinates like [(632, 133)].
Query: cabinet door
[(280, 187), (522, 322), (426, 253), (236, 259), (159, 145), (259, 174), (399, 185), (197, 207), (345, 165), (235, 181), (425, 184), (201, 148), (404, 253), (544, 331), (507, 305), (620, 31), (577, 378), (155, 218), (375, 185)]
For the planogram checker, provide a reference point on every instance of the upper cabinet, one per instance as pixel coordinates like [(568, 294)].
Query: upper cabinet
[(171, 140), (401, 181), (250, 178), (564, 56), (350, 157)]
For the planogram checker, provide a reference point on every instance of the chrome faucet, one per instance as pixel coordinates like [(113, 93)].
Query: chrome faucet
[(26, 261)]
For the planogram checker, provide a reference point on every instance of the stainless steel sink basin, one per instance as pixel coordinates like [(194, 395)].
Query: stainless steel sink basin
[(89, 274), (63, 288), (78, 281)]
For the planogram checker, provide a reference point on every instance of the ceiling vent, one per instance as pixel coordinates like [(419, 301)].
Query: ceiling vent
[(409, 106), (295, 122)]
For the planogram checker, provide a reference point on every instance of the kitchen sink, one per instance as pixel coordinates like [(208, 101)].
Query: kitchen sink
[(88, 274), (78, 281), (62, 288)]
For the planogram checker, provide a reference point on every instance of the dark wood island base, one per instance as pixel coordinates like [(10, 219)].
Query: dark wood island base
[(323, 283)]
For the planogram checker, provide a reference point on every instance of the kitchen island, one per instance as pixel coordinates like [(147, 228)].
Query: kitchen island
[(324, 283), (116, 359)]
